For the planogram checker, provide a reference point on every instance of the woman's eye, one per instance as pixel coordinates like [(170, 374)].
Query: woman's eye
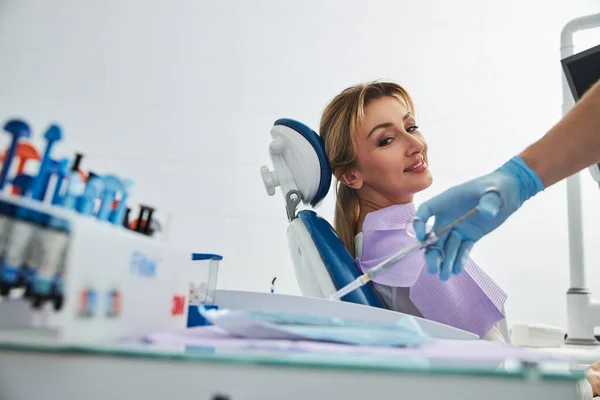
[(412, 128), (386, 142)]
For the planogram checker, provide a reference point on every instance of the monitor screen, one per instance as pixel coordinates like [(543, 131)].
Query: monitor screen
[(582, 70)]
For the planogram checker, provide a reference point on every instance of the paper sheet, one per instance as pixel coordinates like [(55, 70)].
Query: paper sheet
[(442, 351)]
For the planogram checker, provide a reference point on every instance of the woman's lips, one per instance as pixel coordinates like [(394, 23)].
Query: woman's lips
[(419, 166)]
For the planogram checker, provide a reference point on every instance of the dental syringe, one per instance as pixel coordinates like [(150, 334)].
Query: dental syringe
[(430, 239)]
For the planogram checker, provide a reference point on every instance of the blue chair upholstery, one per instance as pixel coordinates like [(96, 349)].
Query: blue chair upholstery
[(337, 260), (333, 266)]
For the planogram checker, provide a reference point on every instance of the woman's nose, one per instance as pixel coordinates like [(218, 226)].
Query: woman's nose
[(416, 146)]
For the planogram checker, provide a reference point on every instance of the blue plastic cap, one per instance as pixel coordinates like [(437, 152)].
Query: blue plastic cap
[(86, 202), (127, 184), (203, 256), (64, 167), (111, 183), (53, 134), (23, 182), (17, 128), (93, 188)]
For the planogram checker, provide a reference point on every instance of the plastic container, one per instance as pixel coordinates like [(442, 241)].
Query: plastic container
[(537, 335), (203, 279), (195, 318)]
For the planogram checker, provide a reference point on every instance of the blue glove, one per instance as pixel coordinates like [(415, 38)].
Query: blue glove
[(496, 196)]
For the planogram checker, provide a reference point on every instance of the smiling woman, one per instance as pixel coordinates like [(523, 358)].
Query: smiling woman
[(376, 151), (379, 157)]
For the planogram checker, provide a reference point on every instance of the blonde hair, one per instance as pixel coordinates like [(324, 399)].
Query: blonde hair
[(338, 129)]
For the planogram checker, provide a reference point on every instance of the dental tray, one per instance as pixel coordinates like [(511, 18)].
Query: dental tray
[(286, 326)]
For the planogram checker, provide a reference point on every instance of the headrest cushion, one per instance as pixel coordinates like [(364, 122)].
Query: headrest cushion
[(317, 144)]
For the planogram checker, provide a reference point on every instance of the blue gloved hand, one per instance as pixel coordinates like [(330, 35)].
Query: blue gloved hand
[(496, 195)]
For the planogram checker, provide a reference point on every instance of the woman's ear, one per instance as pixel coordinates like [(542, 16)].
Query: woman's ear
[(350, 178)]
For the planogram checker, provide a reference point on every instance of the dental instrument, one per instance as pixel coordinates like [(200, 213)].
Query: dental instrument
[(87, 200), (52, 135), (148, 227), (391, 261), (117, 215), (62, 173), (112, 185), (76, 162), (50, 252), (141, 225), (74, 187), (25, 152), (18, 129), (53, 181), (23, 184)]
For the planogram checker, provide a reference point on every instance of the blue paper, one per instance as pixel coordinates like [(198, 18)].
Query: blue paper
[(281, 325)]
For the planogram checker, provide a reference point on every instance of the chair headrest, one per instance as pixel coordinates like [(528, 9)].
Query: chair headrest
[(300, 162)]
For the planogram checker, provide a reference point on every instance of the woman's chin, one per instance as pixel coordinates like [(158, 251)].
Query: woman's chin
[(424, 183)]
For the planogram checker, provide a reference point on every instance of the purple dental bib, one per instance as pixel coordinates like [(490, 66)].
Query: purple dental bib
[(471, 301)]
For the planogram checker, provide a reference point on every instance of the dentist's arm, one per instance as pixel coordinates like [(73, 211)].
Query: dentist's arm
[(570, 146)]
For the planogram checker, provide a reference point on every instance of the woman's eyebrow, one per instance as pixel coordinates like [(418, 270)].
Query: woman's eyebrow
[(384, 125), (387, 124)]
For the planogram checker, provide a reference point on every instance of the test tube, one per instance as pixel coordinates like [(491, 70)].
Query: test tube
[(8, 213), (5, 225), (20, 234), (54, 241), (58, 284), (33, 252)]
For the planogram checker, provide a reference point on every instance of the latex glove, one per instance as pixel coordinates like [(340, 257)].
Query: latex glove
[(512, 184)]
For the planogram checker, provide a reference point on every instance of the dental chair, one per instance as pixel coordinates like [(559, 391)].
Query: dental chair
[(321, 262)]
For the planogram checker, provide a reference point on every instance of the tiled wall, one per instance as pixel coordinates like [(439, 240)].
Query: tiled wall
[(180, 95)]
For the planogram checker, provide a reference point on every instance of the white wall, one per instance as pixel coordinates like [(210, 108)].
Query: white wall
[(180, 95)]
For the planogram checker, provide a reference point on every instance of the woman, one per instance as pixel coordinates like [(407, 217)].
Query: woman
[(379, 158)]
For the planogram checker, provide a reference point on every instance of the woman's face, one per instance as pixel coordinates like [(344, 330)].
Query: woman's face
[(391, 155)]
